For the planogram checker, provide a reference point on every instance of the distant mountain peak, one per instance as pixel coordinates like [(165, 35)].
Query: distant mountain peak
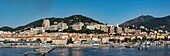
[(149, 22), (142, 18), (167, 17), (6, 28), (145, 16), (79, 18)]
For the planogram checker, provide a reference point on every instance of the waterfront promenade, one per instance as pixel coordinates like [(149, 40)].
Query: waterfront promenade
[(20, 46), (111, 45), (57, 46)]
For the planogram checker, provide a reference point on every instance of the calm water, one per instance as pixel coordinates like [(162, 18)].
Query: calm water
[(154, 51)]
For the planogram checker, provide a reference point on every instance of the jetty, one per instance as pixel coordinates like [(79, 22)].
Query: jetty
[(44, 50)]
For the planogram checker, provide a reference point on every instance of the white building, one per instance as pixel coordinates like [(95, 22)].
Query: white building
[(62, 26), (91, 27), (77, 26), (53, 27), (38, 30)]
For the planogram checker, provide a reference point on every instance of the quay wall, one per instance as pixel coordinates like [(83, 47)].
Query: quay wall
[(18, 46)]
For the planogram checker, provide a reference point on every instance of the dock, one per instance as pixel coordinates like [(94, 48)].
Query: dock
[(19, 46), (44, 50)]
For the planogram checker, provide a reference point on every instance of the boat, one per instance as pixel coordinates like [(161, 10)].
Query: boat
[(96, 44), (129, 46)]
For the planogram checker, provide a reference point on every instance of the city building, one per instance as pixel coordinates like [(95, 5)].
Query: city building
[(59, 41), (38, 30), (104, 28), (97, 26), (41, 38), (53, 27), (46, 24), (142, 27), (62, 26), (111, 29), (105, 39), (77, 26), (118, 29), (91, 27)]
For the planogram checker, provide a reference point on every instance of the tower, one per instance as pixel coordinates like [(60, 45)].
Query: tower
[(46, 24)]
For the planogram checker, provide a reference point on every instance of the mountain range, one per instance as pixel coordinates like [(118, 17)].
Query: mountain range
[(68, 20), (150, 22), (143, 20)]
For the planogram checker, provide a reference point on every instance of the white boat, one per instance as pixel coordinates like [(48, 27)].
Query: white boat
[(95, 44)]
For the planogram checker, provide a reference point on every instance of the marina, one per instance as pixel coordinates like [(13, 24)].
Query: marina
[(46, 50), (151, 51)]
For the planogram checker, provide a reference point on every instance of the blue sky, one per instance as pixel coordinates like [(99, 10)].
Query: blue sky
[(15, 13)]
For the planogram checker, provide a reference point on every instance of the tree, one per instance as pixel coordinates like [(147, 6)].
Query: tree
[(69, 41), (49, 41), (127, 40), (144, 38), (21, 40), (166, 39), (151, 39), (157, 39), (39, 40), (112, 40), (117, 34), (136, 39)]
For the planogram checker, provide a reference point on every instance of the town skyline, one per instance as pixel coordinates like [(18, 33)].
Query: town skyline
[(17, 13), (84, 27)]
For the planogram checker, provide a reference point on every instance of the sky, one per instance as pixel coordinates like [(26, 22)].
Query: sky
[(15, 13)]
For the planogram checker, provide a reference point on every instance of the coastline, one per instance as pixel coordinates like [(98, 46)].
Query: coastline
[(77, 46), (20, 46), (59, 46)]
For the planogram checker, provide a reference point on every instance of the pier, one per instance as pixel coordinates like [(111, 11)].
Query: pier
[(44, 50)]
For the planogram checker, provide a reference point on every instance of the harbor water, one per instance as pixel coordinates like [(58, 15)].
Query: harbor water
[(151, 51)]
